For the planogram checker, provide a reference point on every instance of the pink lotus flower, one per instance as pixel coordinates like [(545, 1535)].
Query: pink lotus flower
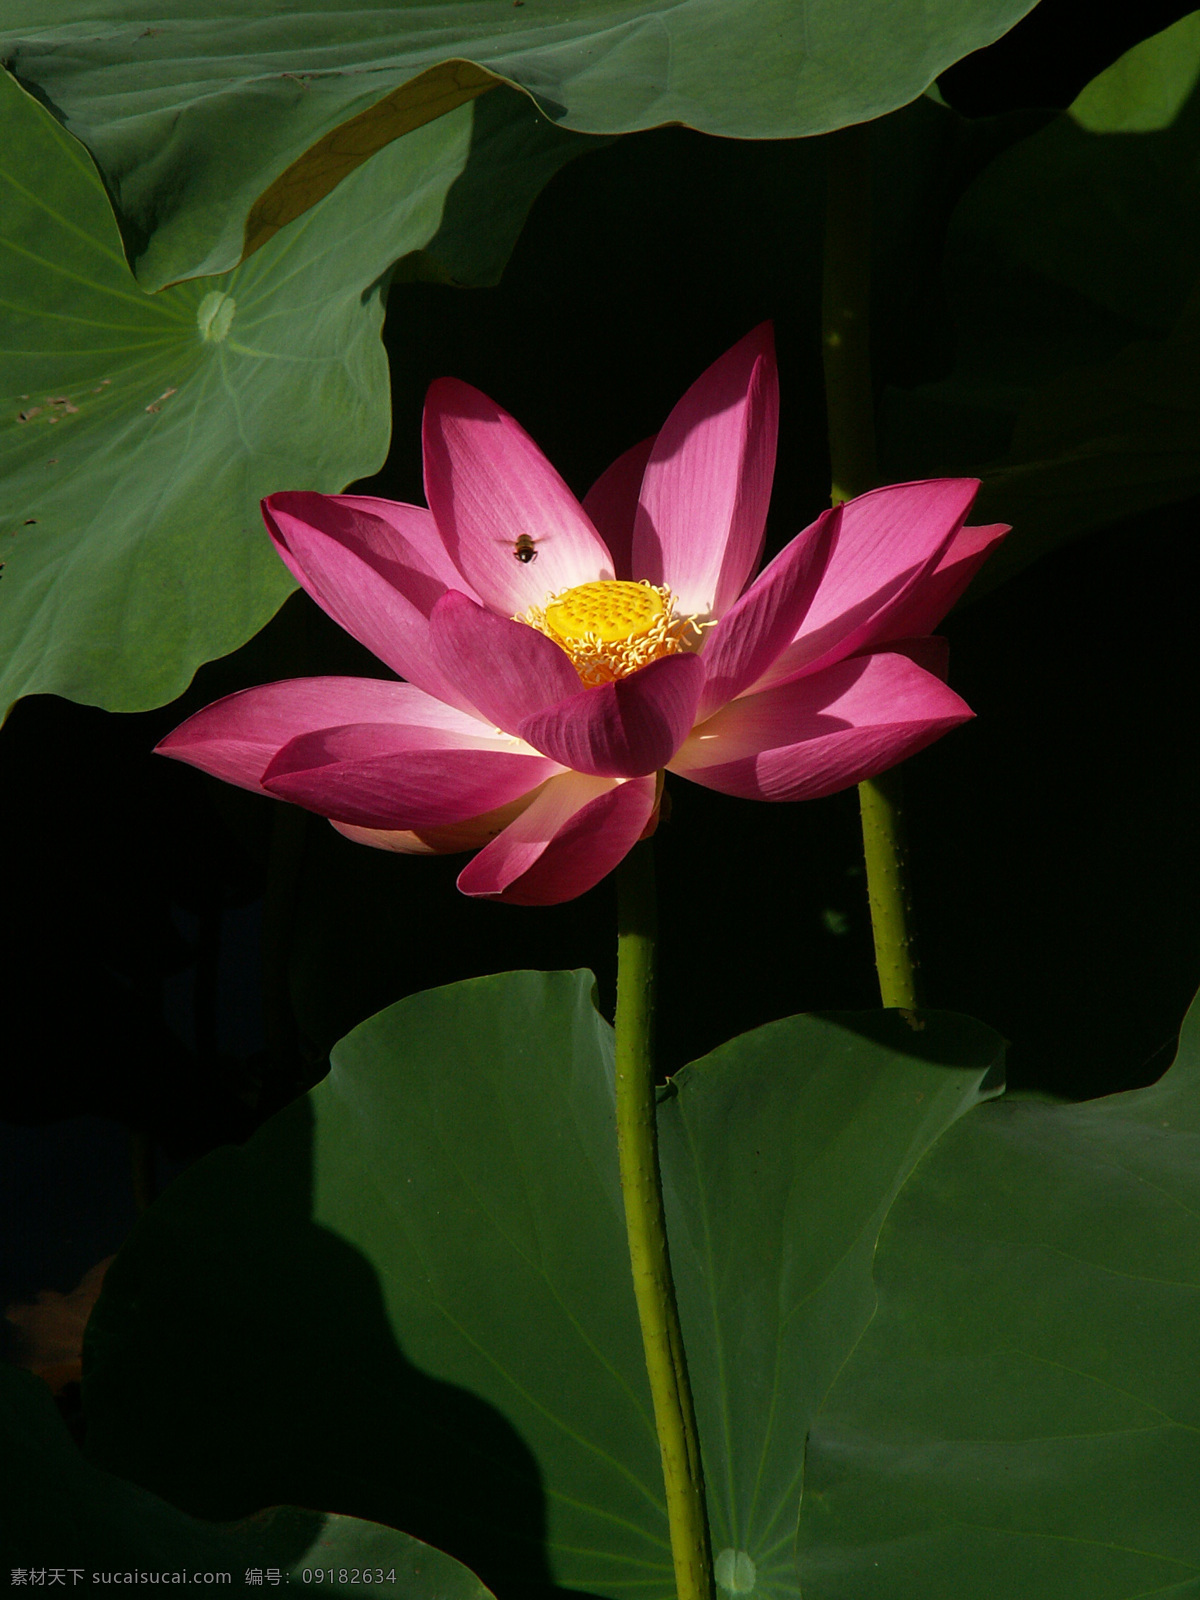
[(560, 656)]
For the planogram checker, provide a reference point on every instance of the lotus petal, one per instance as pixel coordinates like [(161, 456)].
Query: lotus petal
[(572, 835)]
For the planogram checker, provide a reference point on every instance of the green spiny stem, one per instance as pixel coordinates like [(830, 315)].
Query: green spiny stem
[(884, 847), (850, 406), (645, 1223)]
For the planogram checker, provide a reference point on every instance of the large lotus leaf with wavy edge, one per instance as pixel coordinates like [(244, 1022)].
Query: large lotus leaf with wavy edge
[(138, 432), (1026, 1402), (60, 1512), (214, 123), (431, 1250)]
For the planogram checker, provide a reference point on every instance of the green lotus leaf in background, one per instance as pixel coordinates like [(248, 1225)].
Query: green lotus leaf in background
[(1069, 266), (1026, 1403), (1101, 442), (1106, 213), (58, 1512), (782, 1153), (409, 1294), (138, 432), (1148, 86), (214, 123)]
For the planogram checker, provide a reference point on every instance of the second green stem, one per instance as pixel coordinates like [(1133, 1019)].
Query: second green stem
[(850, 407), (846, 313), (886, 855)]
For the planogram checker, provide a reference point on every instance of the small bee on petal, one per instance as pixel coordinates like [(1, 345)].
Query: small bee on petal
[(525, 548)]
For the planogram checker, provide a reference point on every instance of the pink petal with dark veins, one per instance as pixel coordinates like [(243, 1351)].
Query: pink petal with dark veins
[(623, 729), (763, 622), (378, 776), (612, 504), (378, 580), (505, 669), (707, 484), (238, 737), (572, 835), (889, 543), (487, 484), (822, 732)]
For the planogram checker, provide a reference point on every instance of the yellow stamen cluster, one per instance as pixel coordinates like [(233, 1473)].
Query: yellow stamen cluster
[(610, 628)]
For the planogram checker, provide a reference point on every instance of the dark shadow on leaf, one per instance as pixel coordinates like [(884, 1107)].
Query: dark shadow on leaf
[(944, 1038), (263, 1371)]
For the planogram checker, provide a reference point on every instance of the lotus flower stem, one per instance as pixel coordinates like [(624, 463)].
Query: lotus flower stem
[(645, 1222), (884, 847), (850, 407)]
